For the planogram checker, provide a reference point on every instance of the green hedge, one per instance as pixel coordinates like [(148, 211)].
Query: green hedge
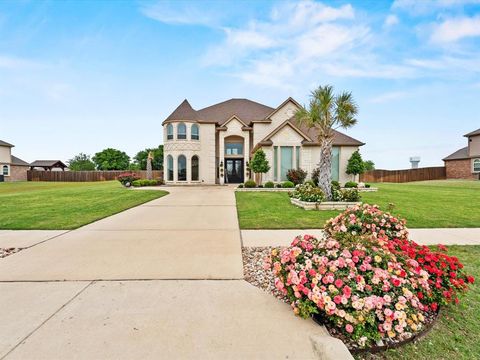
[(145, 182)]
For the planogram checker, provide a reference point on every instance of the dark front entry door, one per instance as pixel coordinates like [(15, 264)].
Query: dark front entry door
[(234, 171)]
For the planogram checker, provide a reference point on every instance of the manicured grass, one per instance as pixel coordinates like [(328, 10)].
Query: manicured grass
[(427, 204), (52, 205), (455, 335)]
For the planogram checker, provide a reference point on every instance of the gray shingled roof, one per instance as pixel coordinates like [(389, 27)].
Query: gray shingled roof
[(245, 109), (248, 111), (18, 161), (458, 155), (473, 133), (4, 143)]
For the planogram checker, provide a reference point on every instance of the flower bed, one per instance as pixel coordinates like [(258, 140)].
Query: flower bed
[(311, 197), (371, 286), (326, 205)]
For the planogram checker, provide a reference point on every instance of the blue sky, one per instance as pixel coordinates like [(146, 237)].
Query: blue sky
[(80, 76)]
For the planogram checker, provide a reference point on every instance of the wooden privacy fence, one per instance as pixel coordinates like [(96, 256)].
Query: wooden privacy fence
[(84, 176), (400, 176)]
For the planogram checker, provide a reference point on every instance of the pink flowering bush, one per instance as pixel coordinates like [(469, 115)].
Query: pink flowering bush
[(355, 282), (367, 219), (447, 278)]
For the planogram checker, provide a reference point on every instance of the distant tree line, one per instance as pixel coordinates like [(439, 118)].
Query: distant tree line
[(113, 159)]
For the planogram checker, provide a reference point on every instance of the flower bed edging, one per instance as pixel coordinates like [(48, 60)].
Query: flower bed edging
[(371, 189), (326, 205), (380, 348)]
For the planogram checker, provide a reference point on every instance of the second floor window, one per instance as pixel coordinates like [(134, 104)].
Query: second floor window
[(195, 132), (181, 131), (169, 132)]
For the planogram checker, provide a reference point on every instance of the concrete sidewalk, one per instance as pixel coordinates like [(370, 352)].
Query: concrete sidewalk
[(421, 236)]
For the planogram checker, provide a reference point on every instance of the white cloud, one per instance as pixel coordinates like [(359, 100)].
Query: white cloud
[(181, 13), (391, 20), (389, 96), (423, 7), (455, 29)]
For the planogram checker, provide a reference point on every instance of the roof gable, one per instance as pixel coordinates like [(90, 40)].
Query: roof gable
[(235, 117), (278, 108), (283, 125)]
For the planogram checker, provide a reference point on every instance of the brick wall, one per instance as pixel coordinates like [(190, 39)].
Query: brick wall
[(460, 169), (17, 173)]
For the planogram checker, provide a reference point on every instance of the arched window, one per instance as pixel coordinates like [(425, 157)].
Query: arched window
[(5, 170), (476, 165), (195, 168), (195, 132), (169, 132), (169, 168), (182, 168), (181, 131)]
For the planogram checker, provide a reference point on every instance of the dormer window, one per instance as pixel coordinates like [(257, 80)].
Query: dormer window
[(169, 132), (181, 131)]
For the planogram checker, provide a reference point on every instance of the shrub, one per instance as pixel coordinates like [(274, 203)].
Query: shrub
[(269, 184), (307, 192), (355, 283), (126, 179), (310, 182), (288, 184), (144, 182), (297, 176), (240, 186), (367, 186), (278, 185), (446, 277), (350, 195), (335, 185), (351, 184), (250, 184), (316, 175)]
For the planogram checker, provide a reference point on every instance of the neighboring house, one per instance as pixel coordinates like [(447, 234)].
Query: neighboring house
[(12, 168), (48, 165), (465, 163), (213, 145)]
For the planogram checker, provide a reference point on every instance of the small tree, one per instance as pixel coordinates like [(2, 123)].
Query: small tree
[(141, 158), (355, 165), (369, 165), (111, 159), (259, 164), (81, 162)]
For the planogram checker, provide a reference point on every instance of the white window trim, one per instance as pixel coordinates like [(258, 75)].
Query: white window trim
[(8, 167), (473, 166)]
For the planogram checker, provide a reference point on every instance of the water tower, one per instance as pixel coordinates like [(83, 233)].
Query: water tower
[(415, 160)]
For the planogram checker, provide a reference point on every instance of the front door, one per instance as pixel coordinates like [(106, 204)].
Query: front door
[(234, 171)]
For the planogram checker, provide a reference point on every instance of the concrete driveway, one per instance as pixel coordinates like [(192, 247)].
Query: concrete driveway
[(159, 281), (192, 233)]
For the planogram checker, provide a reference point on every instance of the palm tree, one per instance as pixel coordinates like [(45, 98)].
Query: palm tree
[(326, 113)]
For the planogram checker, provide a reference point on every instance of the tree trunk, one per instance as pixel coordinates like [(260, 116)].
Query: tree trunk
[(149, 169), (325, 165)]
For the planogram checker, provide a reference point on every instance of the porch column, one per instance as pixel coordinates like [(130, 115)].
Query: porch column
[(246, 153), (221, 158)]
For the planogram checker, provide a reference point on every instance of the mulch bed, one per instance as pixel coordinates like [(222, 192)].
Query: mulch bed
[(255, 274)]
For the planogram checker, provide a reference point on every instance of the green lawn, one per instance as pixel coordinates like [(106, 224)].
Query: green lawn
[(455, 336), (52, 205), (426, 204)]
